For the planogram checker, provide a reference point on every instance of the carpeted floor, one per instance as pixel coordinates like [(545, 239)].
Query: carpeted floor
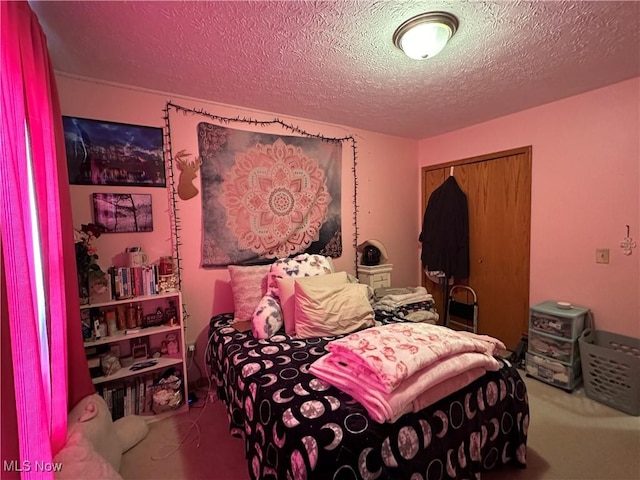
[(570, 438)]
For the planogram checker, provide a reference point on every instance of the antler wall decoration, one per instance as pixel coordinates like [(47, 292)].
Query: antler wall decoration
[(186, 189)]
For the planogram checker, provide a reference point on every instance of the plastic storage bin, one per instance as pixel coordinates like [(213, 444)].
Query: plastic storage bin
[(547, 318), (563, 350), (553, 372), (611, 365)]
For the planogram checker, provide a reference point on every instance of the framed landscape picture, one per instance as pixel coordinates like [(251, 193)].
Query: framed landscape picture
[(123, 212), (111, 153)]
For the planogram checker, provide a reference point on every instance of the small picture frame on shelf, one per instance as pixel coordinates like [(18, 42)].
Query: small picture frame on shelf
[(173, 346), (139, 352), (99, 288), (140, 348)]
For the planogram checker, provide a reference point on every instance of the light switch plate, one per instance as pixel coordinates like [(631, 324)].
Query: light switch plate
[(602, 255)]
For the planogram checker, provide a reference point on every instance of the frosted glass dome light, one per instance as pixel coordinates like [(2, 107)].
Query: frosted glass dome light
[(425, 35)]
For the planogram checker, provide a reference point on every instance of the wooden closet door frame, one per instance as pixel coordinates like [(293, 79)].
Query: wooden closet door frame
[(431, 182)]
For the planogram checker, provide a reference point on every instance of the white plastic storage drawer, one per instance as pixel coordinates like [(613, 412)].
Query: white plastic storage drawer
[(554, 372), (565, 351), (547, 318)]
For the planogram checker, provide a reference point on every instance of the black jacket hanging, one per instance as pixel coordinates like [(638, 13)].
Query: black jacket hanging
[(445, 231)]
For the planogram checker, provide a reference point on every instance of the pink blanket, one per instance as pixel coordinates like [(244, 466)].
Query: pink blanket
[(494, 346), (422, 389), (383, 357)]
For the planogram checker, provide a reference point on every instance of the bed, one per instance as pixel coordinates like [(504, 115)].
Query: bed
[(296, 426)]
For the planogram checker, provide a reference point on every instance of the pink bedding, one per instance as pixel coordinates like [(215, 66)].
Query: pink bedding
[(385, 356), (399, 368), (425, 387)]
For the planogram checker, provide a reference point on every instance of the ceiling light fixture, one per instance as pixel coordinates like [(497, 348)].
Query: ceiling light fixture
[(425, 35)]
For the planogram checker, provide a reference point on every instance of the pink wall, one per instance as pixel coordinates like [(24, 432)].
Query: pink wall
[(387, 192), (585, 190)]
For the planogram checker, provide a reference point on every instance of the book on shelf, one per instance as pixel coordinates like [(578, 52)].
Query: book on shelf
[(127, 399), (129, 282), (141, 399), (117, 399), (131, 397), (106, 394), (126, 283), (148, 399)]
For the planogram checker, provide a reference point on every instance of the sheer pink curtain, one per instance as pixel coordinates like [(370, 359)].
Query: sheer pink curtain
[(40, 341)]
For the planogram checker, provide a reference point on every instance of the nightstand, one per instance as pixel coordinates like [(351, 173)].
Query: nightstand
[(376, 276)]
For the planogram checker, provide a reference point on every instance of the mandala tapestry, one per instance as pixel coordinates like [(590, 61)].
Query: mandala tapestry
[(268, 196)]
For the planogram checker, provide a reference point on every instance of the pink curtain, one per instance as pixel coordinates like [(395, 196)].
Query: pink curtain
[(8, 441), (29, 101)]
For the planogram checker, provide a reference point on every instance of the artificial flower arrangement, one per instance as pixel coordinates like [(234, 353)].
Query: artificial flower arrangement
[(92, 280)]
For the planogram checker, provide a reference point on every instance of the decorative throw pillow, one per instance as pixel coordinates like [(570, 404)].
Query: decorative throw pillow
[(331, 310), (248, 285), (286, 293), (303, 265), (267, 318)]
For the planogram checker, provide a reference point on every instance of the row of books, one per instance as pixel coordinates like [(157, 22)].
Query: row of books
[(128, 282), (130, 397)]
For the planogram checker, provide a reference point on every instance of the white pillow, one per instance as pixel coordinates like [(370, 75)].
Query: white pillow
[(248, 286), (331, 310), (286, 293), (267, 317)]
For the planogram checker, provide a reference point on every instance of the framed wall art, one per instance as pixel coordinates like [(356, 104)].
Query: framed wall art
[(111, 153), (123, 212)]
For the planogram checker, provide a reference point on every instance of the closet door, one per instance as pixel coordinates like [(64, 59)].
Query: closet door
[(498, 189)]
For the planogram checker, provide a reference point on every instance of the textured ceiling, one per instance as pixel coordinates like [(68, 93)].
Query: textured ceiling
[(334, 61)]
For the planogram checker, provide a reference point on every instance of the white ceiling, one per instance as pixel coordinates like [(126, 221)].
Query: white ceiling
[(334, 61)]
